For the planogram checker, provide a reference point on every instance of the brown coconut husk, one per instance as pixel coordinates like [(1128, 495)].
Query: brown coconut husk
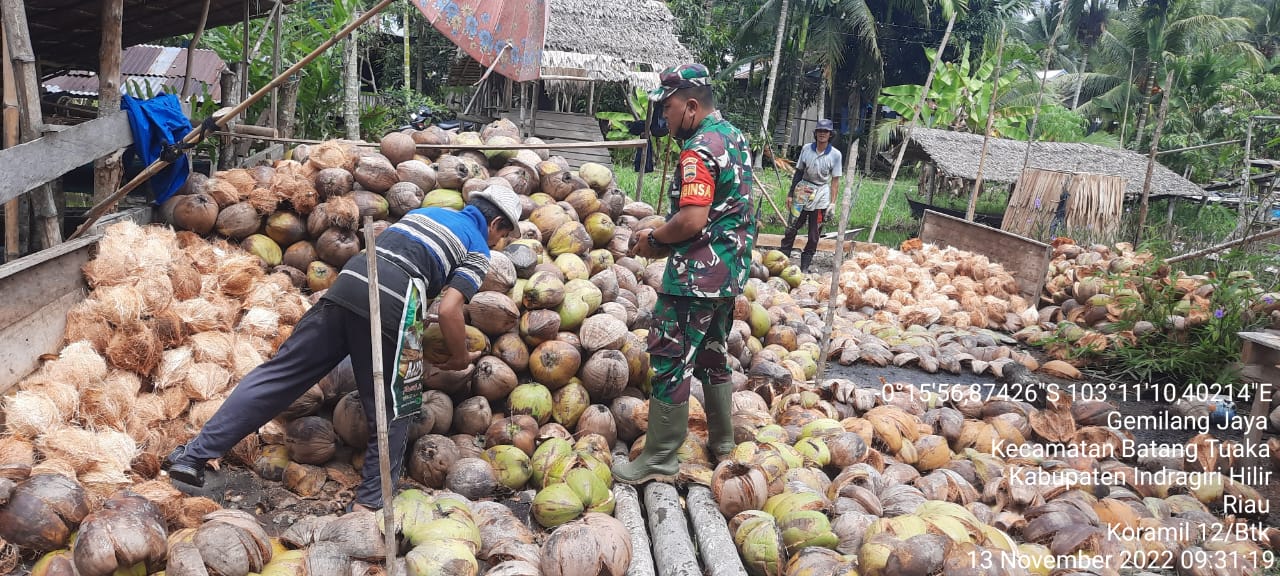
[(201, 412), (121, 304), (110, 403), (28, 413), (215, 347), (135, 348), (261, 322), (173, 368), (146, 411), (174, 401), (54, 466), (245, 358), (238, 272), (245, 452), (156, 291), (17, 456), (206, 381), (85, 323), (200, 315), (169, 328), (343, 212), (78, 364), (184, 277), (264, 200)]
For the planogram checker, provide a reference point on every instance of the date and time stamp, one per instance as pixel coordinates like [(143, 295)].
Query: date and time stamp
[(1187, 411)]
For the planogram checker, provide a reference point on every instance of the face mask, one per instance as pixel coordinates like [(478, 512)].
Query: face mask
[(686, 128)]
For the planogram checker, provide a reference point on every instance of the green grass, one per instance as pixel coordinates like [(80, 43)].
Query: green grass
[(896, 223)]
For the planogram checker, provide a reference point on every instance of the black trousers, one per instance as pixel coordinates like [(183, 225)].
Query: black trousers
[(811, 219), (324, 336)]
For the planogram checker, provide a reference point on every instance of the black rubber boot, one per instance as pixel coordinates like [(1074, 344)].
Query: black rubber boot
[(184, 468)]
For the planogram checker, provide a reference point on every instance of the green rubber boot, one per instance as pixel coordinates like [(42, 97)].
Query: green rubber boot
[(719, 419), (668, 425)]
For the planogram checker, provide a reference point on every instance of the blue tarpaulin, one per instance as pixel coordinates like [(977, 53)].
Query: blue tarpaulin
[(157, 123)]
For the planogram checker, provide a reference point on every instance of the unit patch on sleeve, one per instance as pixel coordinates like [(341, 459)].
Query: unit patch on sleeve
[(697, 187)]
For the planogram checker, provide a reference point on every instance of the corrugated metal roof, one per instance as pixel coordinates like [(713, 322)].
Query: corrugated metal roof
[(156, 67)]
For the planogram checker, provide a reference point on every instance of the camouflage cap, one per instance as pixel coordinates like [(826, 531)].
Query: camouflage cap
[(678, 77)]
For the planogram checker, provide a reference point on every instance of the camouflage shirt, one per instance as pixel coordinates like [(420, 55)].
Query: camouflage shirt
[(715, 171)]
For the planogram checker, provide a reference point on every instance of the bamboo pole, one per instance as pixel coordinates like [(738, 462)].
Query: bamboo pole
[(106, 170), (222, 117), (380, 395), (1225, 245), (915, 117), (1151, 159), (850, 196), (12, 208), (27, 84), (1044, 77), (986, 134), (191, 50)]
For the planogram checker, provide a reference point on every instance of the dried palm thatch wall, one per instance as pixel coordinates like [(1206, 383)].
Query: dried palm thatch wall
[(957, 154), (1094, 202)]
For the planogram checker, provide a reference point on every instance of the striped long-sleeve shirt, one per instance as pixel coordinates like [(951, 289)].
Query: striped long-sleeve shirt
[(442, 247)]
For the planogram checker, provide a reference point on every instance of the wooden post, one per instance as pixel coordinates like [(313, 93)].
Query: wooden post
[(915, 117), (986, 134), (27, 83), (106, 170), (380, 395), (12, 208), (1151, 159), (850, 196), (275, 66), (191, 52)]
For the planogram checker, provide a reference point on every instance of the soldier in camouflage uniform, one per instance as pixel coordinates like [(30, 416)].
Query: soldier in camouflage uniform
[(710, 233)]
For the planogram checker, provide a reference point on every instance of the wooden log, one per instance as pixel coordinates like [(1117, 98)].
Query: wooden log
[(27, 82), (11, 135), (673, 552), (627, 510), (107, 170), (715, 543)]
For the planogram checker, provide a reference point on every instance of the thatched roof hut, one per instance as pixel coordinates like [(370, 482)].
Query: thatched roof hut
[(611, 40), (956, 154)]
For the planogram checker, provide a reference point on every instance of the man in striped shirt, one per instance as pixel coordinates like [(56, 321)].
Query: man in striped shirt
[(445, 252)]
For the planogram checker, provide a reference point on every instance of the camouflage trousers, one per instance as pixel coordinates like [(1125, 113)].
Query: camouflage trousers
[(687, 340)]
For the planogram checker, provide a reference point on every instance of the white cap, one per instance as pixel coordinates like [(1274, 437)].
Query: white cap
[(505, 199)]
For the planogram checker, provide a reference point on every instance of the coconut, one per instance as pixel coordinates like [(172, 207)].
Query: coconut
[(375, 173), (570, 238), (451, 172), (336, 246), (195, 212), (511, 349), (473, 478), (398, 147), (263, 247), (417, 173), (531, 399), (238, 221), (403, 197), (493, 379), (605, 374), (554, 362), (349, 422), (432, 457)]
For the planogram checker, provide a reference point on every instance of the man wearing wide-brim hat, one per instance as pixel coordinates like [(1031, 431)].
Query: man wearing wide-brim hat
[(709, 235), (813, 190)]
